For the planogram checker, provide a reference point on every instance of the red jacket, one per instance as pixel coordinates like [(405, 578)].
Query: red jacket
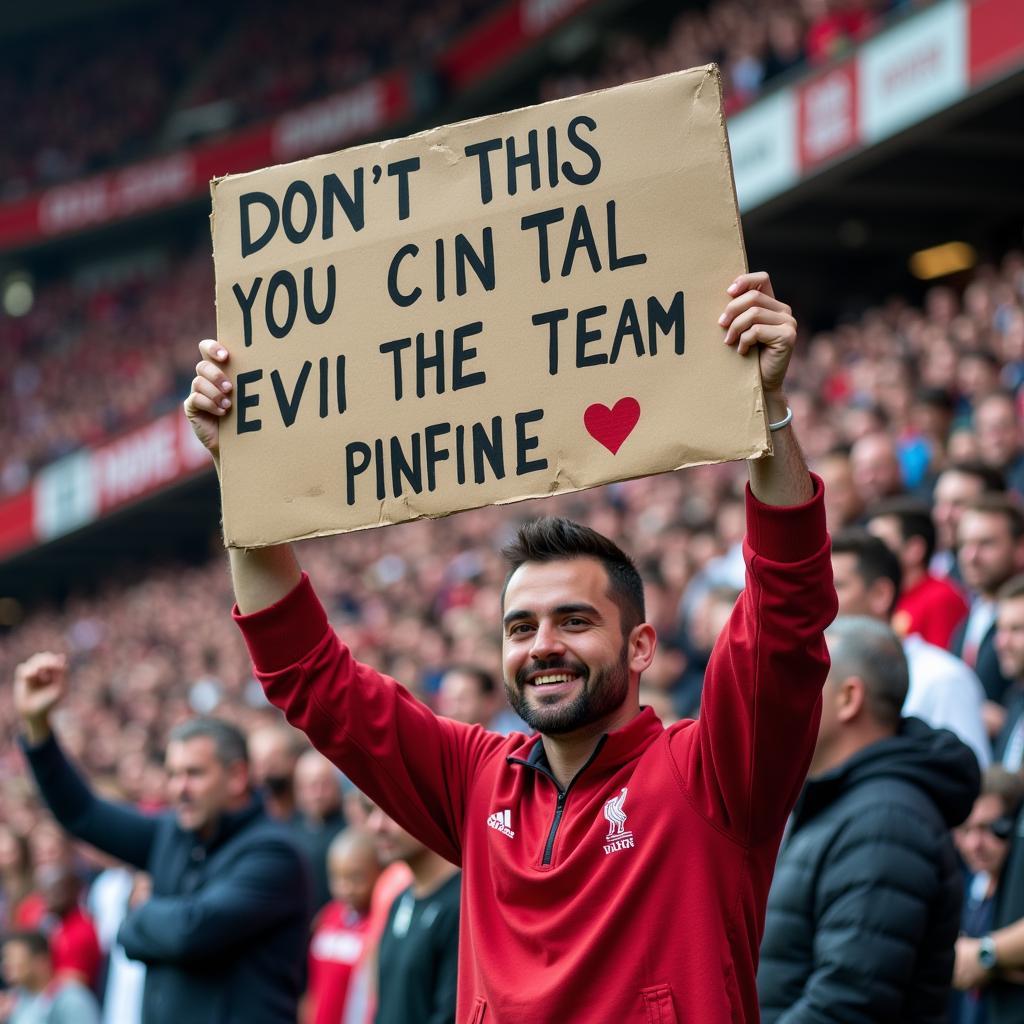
[(638, 894)]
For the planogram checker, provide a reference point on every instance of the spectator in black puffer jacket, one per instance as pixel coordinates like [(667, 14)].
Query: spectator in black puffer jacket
[(865, 906)]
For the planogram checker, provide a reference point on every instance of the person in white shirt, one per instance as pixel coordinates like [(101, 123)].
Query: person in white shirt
[(943, 691)]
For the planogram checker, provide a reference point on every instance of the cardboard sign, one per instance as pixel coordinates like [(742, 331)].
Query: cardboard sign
[(510, 307)]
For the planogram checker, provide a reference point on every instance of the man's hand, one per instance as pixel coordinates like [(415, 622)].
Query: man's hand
[(967, 971), (39, 685), (755, 317), (210, 397)]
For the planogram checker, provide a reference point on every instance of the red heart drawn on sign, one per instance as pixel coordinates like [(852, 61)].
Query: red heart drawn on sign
[(612, 426)]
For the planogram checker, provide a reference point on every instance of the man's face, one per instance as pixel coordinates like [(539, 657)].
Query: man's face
[(17, 964), (887, 530), (565, 658), (1010, 637), (987, 551), (851, 590), (954, 491), (462, 698), (995, 425), (392, 842), (980, 849), (199, 787), (876, 470), (317, 787)]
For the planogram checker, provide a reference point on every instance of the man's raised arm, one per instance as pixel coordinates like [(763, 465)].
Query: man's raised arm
[(754, 318), (260, 576)]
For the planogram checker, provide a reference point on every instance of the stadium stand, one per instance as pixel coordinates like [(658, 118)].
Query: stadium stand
[(107, 350)]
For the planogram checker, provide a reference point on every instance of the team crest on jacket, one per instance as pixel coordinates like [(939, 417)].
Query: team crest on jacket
[(618, 838)]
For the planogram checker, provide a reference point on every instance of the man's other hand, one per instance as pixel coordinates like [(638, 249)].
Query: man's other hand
[(210, 396)]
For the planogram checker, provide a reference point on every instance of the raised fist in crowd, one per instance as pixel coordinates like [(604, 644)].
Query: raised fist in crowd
[(39, 685)]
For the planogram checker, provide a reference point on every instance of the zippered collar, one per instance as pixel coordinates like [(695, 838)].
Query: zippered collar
[(613, 749)]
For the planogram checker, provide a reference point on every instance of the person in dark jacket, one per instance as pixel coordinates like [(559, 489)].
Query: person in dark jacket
[(864, 909), (223, 935)]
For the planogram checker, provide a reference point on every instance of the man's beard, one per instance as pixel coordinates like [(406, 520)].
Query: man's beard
[(598, 696)]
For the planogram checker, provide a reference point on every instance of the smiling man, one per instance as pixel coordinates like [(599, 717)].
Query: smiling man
[(574, 841), (223, 935)]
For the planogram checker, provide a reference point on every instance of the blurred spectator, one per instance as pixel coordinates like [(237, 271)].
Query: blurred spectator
[(40, 995), (984, 843), (834, 27), (942, 690), (418, 955), (73, 941), (273, 753), (956, 487), (110, 899), (927, 605), (875, 465), (320, 817), (227, 920), (990, 540), (1009, 648), (469, 694), (340, 930), (15, 873), (865, 906), (997, 428), (844, 505)]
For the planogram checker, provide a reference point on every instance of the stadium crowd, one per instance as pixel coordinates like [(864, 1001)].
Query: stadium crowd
[(919, 403), (65, 88)]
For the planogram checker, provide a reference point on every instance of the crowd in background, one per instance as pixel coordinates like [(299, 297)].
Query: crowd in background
[(220, 67), (884, 405)]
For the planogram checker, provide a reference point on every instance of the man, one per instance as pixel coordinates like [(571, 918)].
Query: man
[(40, 997), (570, 838), (340, 931), (956, 487), (983, 842), (995, 962), (865, 906), (273, 753), (320, 817), (997, 427), (73, 941), (875, 465), (223, 934), (843, 503), (991, 550), (418, 952), (469, 694), (928, 605), (943, 691)]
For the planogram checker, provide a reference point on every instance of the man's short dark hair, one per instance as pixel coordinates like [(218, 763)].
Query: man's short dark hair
[(228, 740), (874, 558), (914, 518), (1004, 505), (1012, 588), (552, 538), (992, 480), (483, 678), (35, 942), (868, 649)]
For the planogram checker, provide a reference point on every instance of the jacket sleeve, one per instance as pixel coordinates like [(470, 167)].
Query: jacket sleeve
[(415, 765), (746, 761), (256, 895), (874, 903), (118, 830)]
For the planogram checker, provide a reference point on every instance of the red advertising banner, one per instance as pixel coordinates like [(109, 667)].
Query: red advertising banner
[(996, 37), (827, 113)]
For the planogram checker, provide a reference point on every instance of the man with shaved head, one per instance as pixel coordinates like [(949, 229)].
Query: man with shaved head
[(864, 910)]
